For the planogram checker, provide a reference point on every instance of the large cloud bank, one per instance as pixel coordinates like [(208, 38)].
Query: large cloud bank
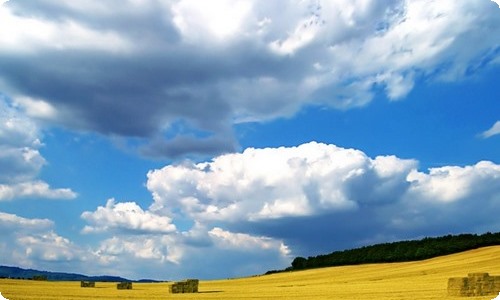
[(384, 196), (261, 207), (261, 184), (255, 210), (186, 71)]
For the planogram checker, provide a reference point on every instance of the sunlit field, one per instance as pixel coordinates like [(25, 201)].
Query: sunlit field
[(414, 280)]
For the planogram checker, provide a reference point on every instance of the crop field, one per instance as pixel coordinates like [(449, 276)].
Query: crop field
[(412, 280)]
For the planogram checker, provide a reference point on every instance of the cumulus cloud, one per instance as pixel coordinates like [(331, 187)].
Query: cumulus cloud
[(299, 195), (20, 159), (494, 130), (255, 210), (47, 247), (11, 223), (157, 249), (453, 183), (126, 216), (33, 242), (211, 65), (34, 189), (152, 240), (176, 256), (256, 184)]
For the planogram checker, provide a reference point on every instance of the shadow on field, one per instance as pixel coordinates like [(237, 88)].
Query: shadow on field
[(210, 292)]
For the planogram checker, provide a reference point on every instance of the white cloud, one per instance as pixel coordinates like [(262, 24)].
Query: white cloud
[(147, 238), (247, 198), (453, 183), (36, 189), (27, 33), (157, 249), (242, 60), (419, 35), (494, 130), (12, 223), (126, 216), (303, 34), (17, 130), (19, 163), (274, 183), (245, 242), (33, 243), (143, 242), (20, 159), (177, 256), (252, 211), (37, 108), (47, 247), (204, 21)]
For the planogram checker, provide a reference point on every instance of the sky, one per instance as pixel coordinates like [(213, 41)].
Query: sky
[(172, 139)]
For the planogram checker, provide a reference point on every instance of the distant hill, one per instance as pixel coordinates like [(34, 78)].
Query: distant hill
[(15, 272), (402, 251)]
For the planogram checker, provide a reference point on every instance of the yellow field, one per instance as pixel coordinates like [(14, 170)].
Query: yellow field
[(414, 280)]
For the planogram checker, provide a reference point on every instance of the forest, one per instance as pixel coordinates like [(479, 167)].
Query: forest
[(401, 251)]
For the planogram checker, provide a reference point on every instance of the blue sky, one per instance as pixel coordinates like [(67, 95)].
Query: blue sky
[(172, 139)]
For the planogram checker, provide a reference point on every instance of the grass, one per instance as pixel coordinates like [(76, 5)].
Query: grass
[(411, 280)]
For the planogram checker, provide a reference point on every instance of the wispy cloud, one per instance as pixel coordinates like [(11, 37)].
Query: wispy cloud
[(494, 130)]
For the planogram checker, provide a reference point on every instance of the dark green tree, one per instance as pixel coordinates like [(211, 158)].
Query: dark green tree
[(299, 263)]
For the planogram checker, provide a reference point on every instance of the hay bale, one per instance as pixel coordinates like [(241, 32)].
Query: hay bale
[(173, 289), (193, 285), (185, 286), (458, 286), (496, 284), (479, 284), (177, 288), (87, 284), (124, 286), (475, 284)]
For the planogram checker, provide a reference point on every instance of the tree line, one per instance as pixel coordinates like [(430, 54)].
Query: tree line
[(402, 251)]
